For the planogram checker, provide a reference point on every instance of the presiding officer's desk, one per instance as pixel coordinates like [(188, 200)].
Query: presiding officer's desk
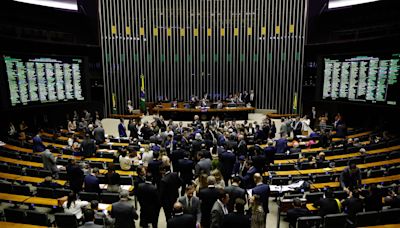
[(182, 113)]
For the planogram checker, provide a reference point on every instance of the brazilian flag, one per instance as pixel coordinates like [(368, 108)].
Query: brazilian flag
[(142, 101), (295, 103), (114, 103)]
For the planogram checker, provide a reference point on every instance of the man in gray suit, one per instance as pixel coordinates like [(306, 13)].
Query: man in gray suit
[(124, 212), (99, 135), (191, 204), (49, 161), (219, 210), (204, 164)]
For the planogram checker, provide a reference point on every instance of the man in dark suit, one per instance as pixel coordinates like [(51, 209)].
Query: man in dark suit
[(175, 155), (89, 220), (149, 201), (208, 196), (269, 153), (124, 212), (169, 190), (237, 218), (294, 213), (297, 125), (262, 190), (132, 129), (219, 210), (234, 192), (180, 219), (239, 168), (186, 167), (353, 204), (121, 128), (281, 145), (75, 176), (248, 177), (327, 205), (258, 160), (91, 182), (88, 146), (154, 168), (191, 204), (227, 160), (38, 145)]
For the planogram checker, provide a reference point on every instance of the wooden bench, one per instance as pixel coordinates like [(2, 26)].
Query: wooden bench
[(280, 115)]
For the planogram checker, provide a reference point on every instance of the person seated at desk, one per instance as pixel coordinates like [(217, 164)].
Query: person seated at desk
[(74, 206), (129, 107), (89, 216), (220, 105), (350, 178), (49, 183), (353, 204), (296, 212), (174, 103), (204, 103), (328, 205)]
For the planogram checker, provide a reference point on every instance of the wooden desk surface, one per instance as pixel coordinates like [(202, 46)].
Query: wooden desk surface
[(335, 169), (18, 225), (364, 181), (13, 197), (42, 201), (310, 207), (29, 179), (343, 156)]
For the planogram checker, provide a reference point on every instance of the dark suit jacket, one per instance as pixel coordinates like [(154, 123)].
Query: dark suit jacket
[(208, 196), (186, 167), (263, 191), (194, 209), (236, 220), (124, 214), (88, 147), (169, 186), (182, 221), (353, 206), (149, 201), (227, 161), (92, 184), (90, 225), (327, 206), (38, 145), (154, 168), (99, 135), (234, 193), (294, 213), (175, 156), (281, 145), (270, 154)]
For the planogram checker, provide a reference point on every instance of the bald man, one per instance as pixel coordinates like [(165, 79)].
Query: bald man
[(262, 190), (180, 219)]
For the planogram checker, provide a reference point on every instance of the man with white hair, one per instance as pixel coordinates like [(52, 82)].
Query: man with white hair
[(147, 156)]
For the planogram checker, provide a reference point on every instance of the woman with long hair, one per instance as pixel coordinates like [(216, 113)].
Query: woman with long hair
[(257, 212), (74, 206)]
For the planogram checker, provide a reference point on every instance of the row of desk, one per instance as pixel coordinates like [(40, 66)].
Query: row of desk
[(40, 165), (41, 201)]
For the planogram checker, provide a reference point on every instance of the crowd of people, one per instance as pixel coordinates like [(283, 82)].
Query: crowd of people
[(198, 173)]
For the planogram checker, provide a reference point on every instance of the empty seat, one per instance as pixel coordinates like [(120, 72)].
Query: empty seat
[(125, 180), (15, 169), (4, 168), (390, 216), (340, 194), (375, 158), (286, 167), (335, 220), (280, 180), (61, 192), (96, 165), (36, 159), (368, 218), (342, 162), (88, 196), (5, 187), (21, 190), (14, 215), (45, 192), (307, 165), (109, 197), (31, 172), (292, 196), (314, 196), (44, 173), (309, 222), (37, 218), (65, 220), (63, 175), (322, 178), (376, 173), (299, 178)]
